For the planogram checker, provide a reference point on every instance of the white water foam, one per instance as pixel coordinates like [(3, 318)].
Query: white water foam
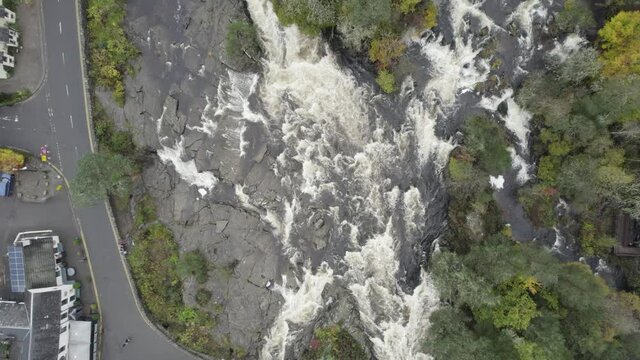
[(301, 304), (187, 169), (521, 165), (571, 43), (336, 149)]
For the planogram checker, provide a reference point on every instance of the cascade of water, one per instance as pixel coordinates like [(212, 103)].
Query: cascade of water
[(342, 160)]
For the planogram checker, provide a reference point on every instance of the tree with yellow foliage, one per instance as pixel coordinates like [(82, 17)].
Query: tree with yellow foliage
[(620, 42)]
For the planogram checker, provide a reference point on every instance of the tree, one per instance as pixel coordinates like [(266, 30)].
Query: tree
[(100, 175), (10, 160), (242, 46), (620, 41), (580, 66), (576, 15), (486, 141), (384, 51), (193, 263)]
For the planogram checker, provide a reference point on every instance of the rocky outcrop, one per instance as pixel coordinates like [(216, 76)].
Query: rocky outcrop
[(173, 90)]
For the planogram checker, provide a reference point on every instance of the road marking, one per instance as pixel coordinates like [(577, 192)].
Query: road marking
[(60, 25), (67, 88), (6, 118), (63, 61), (71, 119)]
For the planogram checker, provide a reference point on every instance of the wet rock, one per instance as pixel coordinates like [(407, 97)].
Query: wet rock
[(221, 225)]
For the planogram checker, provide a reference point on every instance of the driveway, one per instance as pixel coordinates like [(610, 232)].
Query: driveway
[(55, 116)]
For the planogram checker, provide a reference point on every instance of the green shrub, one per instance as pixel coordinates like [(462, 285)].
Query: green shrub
[(386, 81), (538, 202), (385, 51), (430, 15), (110, 50), (194, 264), (8, 99), (407, 6), (203, 296)]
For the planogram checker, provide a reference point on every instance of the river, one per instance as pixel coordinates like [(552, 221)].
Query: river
[(365, 202)]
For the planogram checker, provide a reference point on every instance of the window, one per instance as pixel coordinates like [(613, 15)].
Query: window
[(65, 301), (72, 298), (62, 349), (64, 316), (63, 330)]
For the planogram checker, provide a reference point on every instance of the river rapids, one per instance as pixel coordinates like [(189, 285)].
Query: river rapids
[(365, 202)]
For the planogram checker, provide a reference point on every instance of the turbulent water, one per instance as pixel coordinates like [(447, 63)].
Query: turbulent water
[(371, 178)]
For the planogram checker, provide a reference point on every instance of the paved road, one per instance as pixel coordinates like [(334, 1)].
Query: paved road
[(56, 116)]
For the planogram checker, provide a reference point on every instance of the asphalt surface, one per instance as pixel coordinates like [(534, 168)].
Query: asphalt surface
[(55, 116)]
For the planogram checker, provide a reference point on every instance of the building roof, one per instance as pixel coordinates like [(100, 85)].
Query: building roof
[(14, 324), (13, 315), (16, 269), (39, 264), (80, 340), (5, 35), (44, 308)]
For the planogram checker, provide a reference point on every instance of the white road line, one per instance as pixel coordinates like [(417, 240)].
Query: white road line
[(64, 62), (67, 88), (60, 25), (71, 120)]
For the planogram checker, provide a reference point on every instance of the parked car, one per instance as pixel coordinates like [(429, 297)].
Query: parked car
[(5, 184)]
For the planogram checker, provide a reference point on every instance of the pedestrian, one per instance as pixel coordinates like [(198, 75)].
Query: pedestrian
[(126, 341)]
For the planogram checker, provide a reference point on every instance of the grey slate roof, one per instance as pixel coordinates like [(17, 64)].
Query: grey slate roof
[(40, 264), (45, 324), (13, 315), (5, 36)]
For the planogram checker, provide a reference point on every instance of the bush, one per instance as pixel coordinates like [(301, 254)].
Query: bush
[(194, 264), (10, 160), (110, 139), (8, 99), (203, 297), (386, 81), (407, 6), (538, 202), (110, 50), (385, 51), (430, 15)]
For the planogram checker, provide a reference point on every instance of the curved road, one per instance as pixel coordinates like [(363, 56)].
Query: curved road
[(56, 116)]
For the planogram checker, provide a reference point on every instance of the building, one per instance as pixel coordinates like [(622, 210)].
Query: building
[(42, 320), (8, 39)]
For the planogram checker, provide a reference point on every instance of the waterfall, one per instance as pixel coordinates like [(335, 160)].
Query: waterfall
[(346, 167)]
